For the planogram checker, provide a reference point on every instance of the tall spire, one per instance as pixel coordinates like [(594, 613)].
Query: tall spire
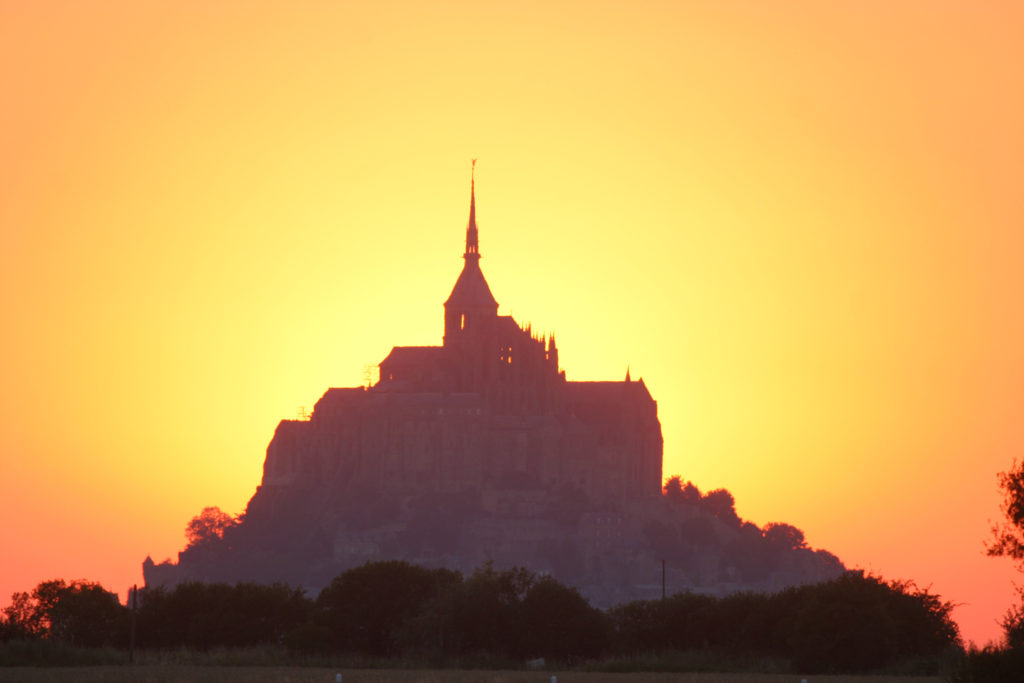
[(472, 243), (471, 306)]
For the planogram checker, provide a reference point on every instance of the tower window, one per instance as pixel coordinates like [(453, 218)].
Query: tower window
[(462, 321)]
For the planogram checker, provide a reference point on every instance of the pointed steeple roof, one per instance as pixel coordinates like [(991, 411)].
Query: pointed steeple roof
[(472, 236), (471, 290)]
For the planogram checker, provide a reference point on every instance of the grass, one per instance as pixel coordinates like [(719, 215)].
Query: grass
[(32, 661), (177, 673)]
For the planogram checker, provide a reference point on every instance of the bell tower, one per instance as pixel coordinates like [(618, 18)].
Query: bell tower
[(470, 311)]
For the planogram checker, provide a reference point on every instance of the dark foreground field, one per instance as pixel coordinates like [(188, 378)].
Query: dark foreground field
[(241, 674)]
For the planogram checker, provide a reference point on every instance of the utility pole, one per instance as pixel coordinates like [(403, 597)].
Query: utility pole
[(135, 607), (663, 579)]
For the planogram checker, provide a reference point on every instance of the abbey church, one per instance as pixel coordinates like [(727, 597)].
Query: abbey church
[(480, 450), (488, 405)]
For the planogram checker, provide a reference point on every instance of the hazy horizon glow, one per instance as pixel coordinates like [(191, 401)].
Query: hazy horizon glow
[(800, 223)]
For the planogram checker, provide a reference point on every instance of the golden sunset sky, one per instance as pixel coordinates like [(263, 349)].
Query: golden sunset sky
[(802, 223)]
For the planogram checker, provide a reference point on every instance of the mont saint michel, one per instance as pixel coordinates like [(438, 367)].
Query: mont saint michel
[(480, 450)]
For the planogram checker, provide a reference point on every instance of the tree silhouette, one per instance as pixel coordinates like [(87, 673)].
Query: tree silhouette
[(677, 492), (783, 536), (858, 623), (722, 505), (79, 612), (560, 624), (850, 624), (486, 611), (209, 615), (365, 608), (1008, 541), (1008, 536), (209, 525), (673, 489), (22, 619)]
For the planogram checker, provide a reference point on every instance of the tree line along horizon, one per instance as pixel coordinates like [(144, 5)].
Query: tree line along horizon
[(392, 609)]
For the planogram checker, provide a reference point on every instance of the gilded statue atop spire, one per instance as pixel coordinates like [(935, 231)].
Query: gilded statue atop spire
[(472, 240)]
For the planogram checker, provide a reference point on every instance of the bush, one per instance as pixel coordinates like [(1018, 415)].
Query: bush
[(990, 665), (366, 609), (204, 616)]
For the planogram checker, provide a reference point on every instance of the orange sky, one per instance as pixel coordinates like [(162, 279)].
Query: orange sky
[(800, 222)]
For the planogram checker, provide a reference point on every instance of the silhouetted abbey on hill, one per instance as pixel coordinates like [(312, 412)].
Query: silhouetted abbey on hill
[(476, 450)]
